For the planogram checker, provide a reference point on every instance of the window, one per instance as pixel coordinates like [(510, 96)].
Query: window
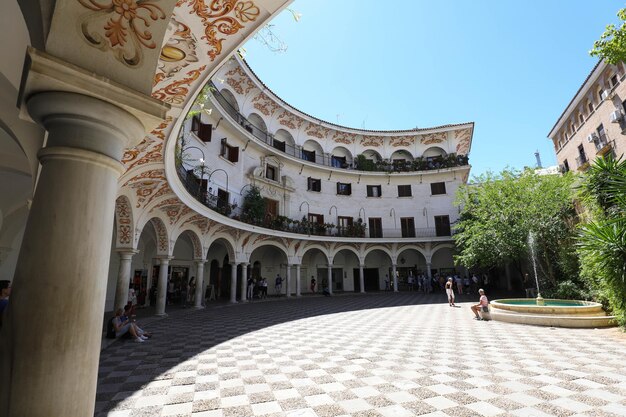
[(338, 161), (408, 226), (222, 198), (404, 191), (202, 130), (442, 225), (581, 118), (308, 155), (279, 145), (316, 218), (613, 80), (437, 188), (271, 173), (600, 95), (374, 191), (314, 184), (271, 208), (376, 228), (229, 152), (344, 188), (590, 107), (343, 222), (566, 166)]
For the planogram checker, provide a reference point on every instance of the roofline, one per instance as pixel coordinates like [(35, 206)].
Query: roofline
[(356, 130), (574, 99)]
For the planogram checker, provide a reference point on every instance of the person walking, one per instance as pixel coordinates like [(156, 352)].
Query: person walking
[(450, 292), (250, 292), (278, 285), (313, 284)]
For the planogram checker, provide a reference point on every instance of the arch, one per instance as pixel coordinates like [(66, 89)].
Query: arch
[(345, 248), (230, 98), (442, 259), (194, 238), (124, 223), (412, 257), (257, 121), (378, 247), (372, 155), (401, 154), (312, 246), (254, 246), (340, 157), (162, 238), (272, 260), (315, 147), (224, 240), (284, 136), (434, 151)]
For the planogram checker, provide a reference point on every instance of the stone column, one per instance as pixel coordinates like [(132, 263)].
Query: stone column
[(123, 278), (395, 277), (288, 281), (330, 279), (362, 277), (162, 286), (244, 281), (50, 342), (233, 282), (199, 283), (298, 283), (429, 272)]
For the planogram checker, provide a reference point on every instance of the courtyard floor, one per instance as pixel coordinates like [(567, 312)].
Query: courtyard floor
[(378, 354)]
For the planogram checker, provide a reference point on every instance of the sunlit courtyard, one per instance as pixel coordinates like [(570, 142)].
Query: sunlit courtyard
[(379, 354)]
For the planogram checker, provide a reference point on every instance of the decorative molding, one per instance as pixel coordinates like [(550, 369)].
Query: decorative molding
[(374, 141), (122, 26), (289, 120), (239, 81), (176, 92), (315, 130), (216, 22), (123, 215), (464, 138), (431, 138), (178, 52), (264, 104), (344, 137), (396, 141)]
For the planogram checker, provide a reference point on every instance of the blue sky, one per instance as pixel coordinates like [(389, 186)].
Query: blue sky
[(511, 67)]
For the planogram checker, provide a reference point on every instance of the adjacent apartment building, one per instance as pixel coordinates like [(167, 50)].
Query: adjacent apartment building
[(593, 123)]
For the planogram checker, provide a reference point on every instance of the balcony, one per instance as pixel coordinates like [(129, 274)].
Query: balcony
[(582, 162), (602, 145), (360, 162)]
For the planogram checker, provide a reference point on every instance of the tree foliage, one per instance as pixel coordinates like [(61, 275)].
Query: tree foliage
[(254, 206), (612, 43), (499, 211), (602, 245)]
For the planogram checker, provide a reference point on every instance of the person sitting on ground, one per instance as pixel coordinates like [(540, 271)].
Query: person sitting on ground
[(483, 304), (121, 326)]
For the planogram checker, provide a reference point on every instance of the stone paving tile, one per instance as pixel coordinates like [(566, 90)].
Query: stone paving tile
[(360, 355)]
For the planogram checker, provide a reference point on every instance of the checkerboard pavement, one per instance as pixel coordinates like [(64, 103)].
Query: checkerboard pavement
[(361, 355)]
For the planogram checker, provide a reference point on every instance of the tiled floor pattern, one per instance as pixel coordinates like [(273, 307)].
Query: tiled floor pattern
[(373, 355)]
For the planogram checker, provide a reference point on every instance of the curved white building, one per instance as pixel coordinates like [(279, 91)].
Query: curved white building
[(106, 183)]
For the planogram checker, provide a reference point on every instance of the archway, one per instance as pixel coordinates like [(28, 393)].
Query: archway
[(372, 155), (411, 262), (433, 152), (401, 155), (340, 157), (271, 262), (182, 270), (314, 266), (312, 151), (348, 279), (230, 100), (220, 255), (378, 271), (442, 262), (284, 141)]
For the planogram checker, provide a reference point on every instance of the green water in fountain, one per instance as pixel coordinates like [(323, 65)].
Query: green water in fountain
[(547, 303)]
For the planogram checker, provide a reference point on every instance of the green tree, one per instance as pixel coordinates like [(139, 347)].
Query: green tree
[(253, 209), (602, 244), (612, 43), (499, 211)]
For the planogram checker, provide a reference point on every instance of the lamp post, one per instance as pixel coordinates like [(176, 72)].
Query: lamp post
[(201, 160), (226, 174)]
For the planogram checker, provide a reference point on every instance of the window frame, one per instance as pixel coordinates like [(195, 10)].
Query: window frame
[(370, 191), (434, 185), (405, 187), (344, 188)]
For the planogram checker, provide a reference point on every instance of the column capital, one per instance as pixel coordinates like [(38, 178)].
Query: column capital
[(126, 252), (164, 258), (361, 265), (200, 261)]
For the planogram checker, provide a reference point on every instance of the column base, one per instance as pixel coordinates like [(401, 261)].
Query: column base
[(161, 314), (199, 307)]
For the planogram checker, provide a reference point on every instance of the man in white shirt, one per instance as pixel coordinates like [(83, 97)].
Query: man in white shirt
[(483, 304)]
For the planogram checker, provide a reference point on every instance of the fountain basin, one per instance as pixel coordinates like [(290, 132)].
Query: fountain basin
[(555, 313)]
